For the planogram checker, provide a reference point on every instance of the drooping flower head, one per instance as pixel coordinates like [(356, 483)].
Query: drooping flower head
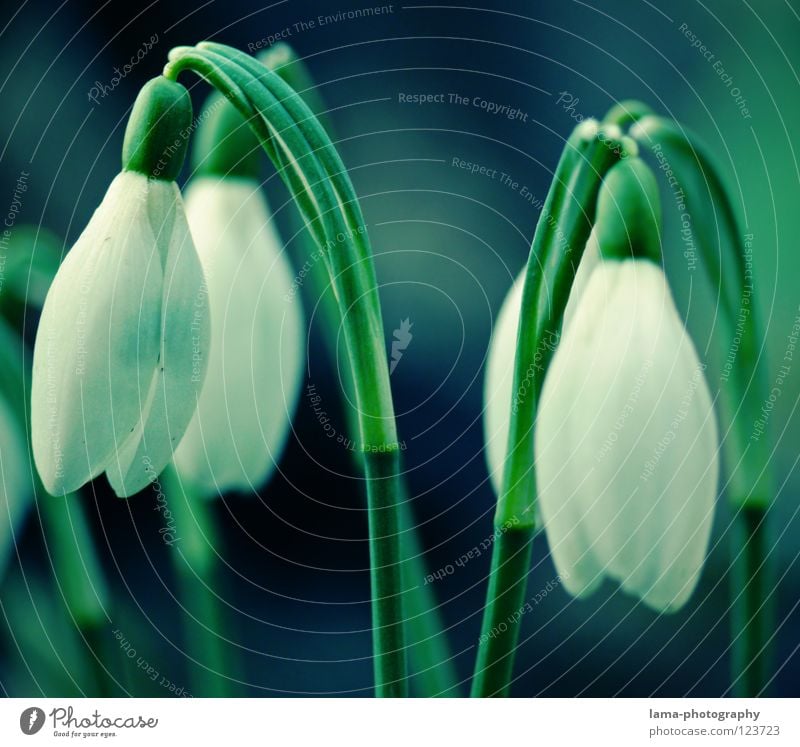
[(120, 352), (626, 446), (256, 357)]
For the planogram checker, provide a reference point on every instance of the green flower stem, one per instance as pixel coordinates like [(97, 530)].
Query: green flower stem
[(752, 604), (430, 655), (307, 161), (195, 563), (428, 649), (282, 59), (508, 581), (753, 595), (558, 244), (77, 573), (381, 471), (314, 139), (751, 482)]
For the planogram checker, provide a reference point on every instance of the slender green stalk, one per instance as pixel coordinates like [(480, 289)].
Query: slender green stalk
[(282, 59), (558, 244), (429, 652), (752, 604), (508, 580), (311, 168), (752, 591), (751, 482), (381, 470), (195, 564), (76, 570)]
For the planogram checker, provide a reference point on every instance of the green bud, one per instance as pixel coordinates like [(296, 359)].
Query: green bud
[(158, 130), (629, 213)]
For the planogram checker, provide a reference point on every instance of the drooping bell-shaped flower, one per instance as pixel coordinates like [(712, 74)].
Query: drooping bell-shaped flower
[(626, 445), (120, 352), (256, 357)]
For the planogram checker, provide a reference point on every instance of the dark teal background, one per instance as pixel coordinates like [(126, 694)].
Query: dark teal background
[(447, 245)]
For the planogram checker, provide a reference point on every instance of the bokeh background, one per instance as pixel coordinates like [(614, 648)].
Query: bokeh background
[(447, 245)]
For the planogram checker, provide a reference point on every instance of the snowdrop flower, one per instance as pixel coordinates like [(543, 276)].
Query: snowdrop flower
[(626, 445), (121, 347), (257, 350)]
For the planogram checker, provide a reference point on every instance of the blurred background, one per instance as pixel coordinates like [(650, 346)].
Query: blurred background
[(448, 243)]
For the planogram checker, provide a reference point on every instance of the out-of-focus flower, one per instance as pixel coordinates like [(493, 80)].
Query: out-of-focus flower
[(256, 357)]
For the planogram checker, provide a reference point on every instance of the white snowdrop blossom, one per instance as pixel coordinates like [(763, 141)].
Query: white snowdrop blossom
[(257, 351), (626, 442), (121, 347)]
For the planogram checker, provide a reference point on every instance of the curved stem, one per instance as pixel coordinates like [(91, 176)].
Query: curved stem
[(307, 161), (751, 483), (282, 59), (321, 146), (558, 244), (430, 656), (752, 592)]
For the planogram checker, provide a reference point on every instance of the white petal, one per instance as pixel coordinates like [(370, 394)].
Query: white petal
[(257, 346), (589, 260), (98, 340), (499, 380), (170, 398), (626, 442)]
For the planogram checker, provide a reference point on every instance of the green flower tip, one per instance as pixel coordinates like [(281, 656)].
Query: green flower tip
[(646, 128), (585, 131), (276, 56), (629, 213), (607, 133), (158, 130), (627, 112), (225, 143)]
